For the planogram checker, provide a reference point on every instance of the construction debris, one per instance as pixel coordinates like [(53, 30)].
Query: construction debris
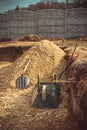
[(31, 37), (57, 39), (5, 39)]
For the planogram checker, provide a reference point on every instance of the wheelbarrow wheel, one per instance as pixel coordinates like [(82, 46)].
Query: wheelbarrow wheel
[(44, 93)]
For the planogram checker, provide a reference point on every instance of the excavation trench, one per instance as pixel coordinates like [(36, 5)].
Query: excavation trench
[(16, 111)]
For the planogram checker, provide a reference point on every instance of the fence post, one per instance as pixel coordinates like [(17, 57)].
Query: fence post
[(36, 23), (8, 28), (66, 24)]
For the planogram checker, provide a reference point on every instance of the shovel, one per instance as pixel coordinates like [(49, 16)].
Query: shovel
[(23, 81)]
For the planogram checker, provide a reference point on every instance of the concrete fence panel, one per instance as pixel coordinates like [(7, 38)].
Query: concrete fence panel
[(50, 23), (21, 23), (76, 22), (3, 25)]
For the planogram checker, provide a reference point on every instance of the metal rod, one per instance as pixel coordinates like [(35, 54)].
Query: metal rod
[(68, 63), (26, 66), (59, 81)]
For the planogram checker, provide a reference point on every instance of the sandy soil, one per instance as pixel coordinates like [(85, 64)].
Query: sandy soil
[(16, 112)]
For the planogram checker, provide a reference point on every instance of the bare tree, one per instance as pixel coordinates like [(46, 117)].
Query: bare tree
[(80, 3), (67, 2)]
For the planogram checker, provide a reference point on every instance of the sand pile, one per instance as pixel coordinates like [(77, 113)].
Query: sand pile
[(31, 37), (45, 58)]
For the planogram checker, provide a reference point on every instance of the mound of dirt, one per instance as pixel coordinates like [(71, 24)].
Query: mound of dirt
[(5, 39), (57, 39), (45, 58), (79, 72), (16, 113), (84, 38), (79, 66), (31, 37)]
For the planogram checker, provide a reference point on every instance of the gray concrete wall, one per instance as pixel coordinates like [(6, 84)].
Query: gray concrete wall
[(21, 23), (76, 22), (48, 23), (3, 25), (51, 23)]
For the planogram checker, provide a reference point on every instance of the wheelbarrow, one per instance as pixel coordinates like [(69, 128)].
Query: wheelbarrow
[(46, 94)]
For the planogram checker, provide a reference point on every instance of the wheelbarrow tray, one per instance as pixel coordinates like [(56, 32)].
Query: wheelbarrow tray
[(52, 95)]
